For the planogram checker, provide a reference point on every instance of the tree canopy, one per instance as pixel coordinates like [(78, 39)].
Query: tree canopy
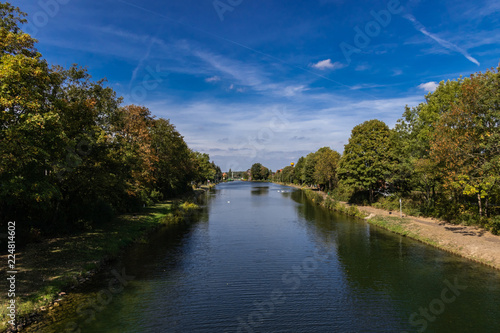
[(367, 162), (72, 154)]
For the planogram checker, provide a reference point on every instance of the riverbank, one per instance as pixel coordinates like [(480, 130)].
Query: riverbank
[(48, 271), (470, 242)]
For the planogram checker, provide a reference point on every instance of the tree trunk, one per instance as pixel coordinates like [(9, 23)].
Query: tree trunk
[(486, 207), (433, 195), (371, 195), (479, 203)]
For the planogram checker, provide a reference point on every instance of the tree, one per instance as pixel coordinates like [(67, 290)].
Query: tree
[(466, 141), (134, 133), (309, 167), (367, 161), (287, 174), (259, 172), (70, 154), (173, 168), (412, 140), (29, 125), (298, 174), (203, 168), (325, 170)]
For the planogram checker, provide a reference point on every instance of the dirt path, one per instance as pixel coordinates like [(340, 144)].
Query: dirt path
[(467, 241)]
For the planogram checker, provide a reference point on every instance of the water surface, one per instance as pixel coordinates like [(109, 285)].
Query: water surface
[(260, 258)]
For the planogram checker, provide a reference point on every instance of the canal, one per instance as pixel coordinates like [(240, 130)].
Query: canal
[(260, 258)]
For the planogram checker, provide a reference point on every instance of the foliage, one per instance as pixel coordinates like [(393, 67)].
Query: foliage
[(368, 161), (442, 158), (72, 155), (259, 172), (309, 166), (298, 175), (329, 203), (325, 169), (466, 146)]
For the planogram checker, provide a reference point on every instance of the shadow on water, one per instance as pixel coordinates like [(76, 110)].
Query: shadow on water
[(384, 267), (126, 274), (208, 276)]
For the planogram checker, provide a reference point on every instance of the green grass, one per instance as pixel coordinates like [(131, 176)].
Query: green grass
[(47, 268), (401, 226), (329, 203)]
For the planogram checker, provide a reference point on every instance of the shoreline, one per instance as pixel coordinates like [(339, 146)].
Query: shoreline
[(470, 242), (54, 269)]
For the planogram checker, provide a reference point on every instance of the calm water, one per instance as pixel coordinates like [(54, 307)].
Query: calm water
[(259, 258)]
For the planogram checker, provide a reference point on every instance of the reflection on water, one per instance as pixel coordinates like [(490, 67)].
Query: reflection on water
[(260, 190), (259, 258)]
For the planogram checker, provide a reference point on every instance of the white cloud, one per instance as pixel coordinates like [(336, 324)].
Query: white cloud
[(254, 131), (429, 86), (327, 64), (212, 79)]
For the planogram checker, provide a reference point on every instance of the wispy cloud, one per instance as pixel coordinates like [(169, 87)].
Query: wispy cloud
[(446, 44), (397, 72), (255, 130), (212, 79), (482, 10), (363, 67), (327, 64), (366, 86)]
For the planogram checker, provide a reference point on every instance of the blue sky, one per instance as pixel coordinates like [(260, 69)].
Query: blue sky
[(269, 81)]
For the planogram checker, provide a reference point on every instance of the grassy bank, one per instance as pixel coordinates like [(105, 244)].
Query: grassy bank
[(402, 227), (405, 226), (57, 265), (321, 199)]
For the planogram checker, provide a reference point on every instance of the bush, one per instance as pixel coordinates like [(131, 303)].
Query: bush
[(494, 225), (188, 206), (314, 196), (342, 192), (329, 203)]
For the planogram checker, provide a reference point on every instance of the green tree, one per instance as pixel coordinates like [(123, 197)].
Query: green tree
[(299, 171), (287, 174), (174, 167), (367, 162), (325, 170), (412, 141), (466, 146), (259, 172), (308, 170), (203, 168), (30, 129)]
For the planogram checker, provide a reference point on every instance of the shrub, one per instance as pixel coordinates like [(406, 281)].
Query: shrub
[(494, 225), (342, 192)]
